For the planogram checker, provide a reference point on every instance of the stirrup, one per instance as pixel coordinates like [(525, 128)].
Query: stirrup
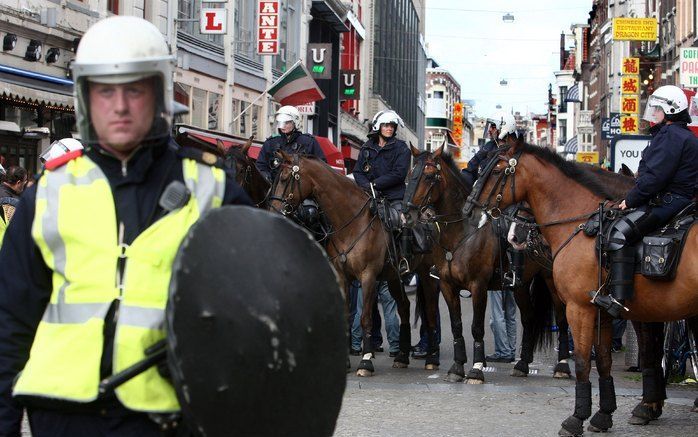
[(434, 273), (608, 303), (403, 266), (511, 281)]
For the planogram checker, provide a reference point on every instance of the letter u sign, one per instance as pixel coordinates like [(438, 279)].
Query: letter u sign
[(349, 79), (318, 59)]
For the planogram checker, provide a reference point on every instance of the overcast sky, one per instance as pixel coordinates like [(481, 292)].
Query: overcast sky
[(470, 39)]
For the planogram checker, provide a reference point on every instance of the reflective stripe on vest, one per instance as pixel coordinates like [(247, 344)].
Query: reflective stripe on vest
[(76, 231)]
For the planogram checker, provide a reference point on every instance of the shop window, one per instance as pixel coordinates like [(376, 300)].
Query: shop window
[(214, 111), (198, 108), (244, 120)]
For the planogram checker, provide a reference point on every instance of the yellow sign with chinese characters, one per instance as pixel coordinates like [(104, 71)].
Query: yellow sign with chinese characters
[(588, 157), (630, 104), (631, 66), (635, 29), (630, 85), (629, 124)]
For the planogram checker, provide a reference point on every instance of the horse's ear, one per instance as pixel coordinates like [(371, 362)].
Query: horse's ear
[(221, 147), (440, 150), (625, 171), (415, 151), (283, 155), (246, 146)]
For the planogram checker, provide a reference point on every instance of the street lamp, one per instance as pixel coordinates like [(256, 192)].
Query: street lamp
[(508, 18), (503, 82)]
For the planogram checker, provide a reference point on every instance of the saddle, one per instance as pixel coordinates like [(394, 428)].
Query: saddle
[(657, 255)]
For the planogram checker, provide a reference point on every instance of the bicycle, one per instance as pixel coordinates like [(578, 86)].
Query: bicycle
[(679, 347)]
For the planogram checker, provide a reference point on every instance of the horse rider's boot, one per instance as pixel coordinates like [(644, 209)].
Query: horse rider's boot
[(621, 284), (514, 277)]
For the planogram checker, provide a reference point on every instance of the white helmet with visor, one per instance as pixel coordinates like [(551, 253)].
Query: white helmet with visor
[(666, 100)]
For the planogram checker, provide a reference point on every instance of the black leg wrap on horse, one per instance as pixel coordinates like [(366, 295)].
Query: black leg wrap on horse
[(433, 352), (563, 368), (366, 365), (607, 394), (522, 366), (368, 344), (582, 400), (601, 421), (459, 354), (479, 352), (653, 385), (405, 333)]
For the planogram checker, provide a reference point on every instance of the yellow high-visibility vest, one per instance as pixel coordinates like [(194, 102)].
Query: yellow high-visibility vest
[(76, 230)]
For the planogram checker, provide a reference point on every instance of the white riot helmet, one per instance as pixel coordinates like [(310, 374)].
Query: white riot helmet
[(669, 99), (61, 147), (119, 50), (387, 116), (288, 113), (504, 122)]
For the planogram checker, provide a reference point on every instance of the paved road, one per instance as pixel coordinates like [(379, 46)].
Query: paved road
[(413, 401)]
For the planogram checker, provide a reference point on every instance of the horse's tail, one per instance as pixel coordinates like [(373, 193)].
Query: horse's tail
[(542, 302)]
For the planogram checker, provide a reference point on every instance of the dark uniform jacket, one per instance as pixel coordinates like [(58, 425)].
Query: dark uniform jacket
[(297, 142), (385, 166), (479, 160), (25, 287), (668, 168)]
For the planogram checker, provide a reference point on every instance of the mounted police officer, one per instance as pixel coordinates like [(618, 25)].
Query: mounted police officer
[(492, 130), (383, 165), (87, 259), (290, 139), (665, 184)]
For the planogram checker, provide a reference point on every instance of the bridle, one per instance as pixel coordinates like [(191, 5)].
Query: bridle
[(496, 194), (416, 178), (293, 181)]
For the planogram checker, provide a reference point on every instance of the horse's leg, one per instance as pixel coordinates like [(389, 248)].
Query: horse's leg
[(368, 285), (653, 385), (479, 298), (693, 329), (523, 301), (430, 295), (402, 360), (582, 321), (562, 368), (603, 419), (456, 373), (344, 283)]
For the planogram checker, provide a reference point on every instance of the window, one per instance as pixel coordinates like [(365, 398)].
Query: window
[(198, 108), (244, 120), (245, 29), (215, 102), (188, 9), (563, 103), (438, 94)]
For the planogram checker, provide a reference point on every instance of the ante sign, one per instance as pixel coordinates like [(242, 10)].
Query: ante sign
[(268, 25)]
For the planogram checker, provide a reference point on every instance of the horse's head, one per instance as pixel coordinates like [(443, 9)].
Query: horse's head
[(425, 181), (502, 183), (244, 165), (290, 187)]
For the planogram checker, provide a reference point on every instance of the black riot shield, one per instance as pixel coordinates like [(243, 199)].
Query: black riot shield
[(255, 328)]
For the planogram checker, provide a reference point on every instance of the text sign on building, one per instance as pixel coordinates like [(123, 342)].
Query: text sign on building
[(268, 28), (635, 29), (631, 66), (630, 84), (350, 84), (629, 124), (630, 104), (628, 151), (688, 67), (588, 157), (610, 127), (457, 123), (307, 109), (213, 21), (319, 60)]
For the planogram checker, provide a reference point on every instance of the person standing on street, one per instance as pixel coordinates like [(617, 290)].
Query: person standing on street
[(13, 183), (87, 259)]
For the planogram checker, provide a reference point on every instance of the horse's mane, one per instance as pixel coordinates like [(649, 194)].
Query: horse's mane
[(606, 186), (329, 168), (455, 170)]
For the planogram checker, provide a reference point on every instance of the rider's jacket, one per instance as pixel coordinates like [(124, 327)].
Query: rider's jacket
[(385, 166), (480, 159), (295, 143), (668, 168), (101, 209)]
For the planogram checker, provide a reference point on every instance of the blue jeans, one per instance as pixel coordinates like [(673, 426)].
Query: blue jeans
[(503, 322), (392, 323)]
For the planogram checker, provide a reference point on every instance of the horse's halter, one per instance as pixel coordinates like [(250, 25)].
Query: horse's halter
[(415, 180), (494, 198), (293, 181)]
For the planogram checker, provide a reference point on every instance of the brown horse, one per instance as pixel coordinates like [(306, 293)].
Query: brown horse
[(562, 196), (467, 256), (357, 245)]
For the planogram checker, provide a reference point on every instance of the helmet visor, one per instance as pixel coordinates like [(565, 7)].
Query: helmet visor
[(123, 116), (653, 113)]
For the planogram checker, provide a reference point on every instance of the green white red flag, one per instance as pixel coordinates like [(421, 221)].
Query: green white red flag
[(296, 87)]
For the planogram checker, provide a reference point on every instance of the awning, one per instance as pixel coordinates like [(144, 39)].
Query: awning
[(28, 94), (571, 145), (351, 145)]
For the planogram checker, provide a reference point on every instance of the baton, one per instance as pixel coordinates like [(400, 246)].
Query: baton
[(372, 190), (153, 355)]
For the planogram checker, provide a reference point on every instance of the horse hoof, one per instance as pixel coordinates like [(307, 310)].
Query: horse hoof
[(431, 367), (364, 373), (641, 421), (399, 365), (571, 426), (601, 422), (561, 375), (592, 428), (474, 381), (517, 373), (694, 410), (453, 377)]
